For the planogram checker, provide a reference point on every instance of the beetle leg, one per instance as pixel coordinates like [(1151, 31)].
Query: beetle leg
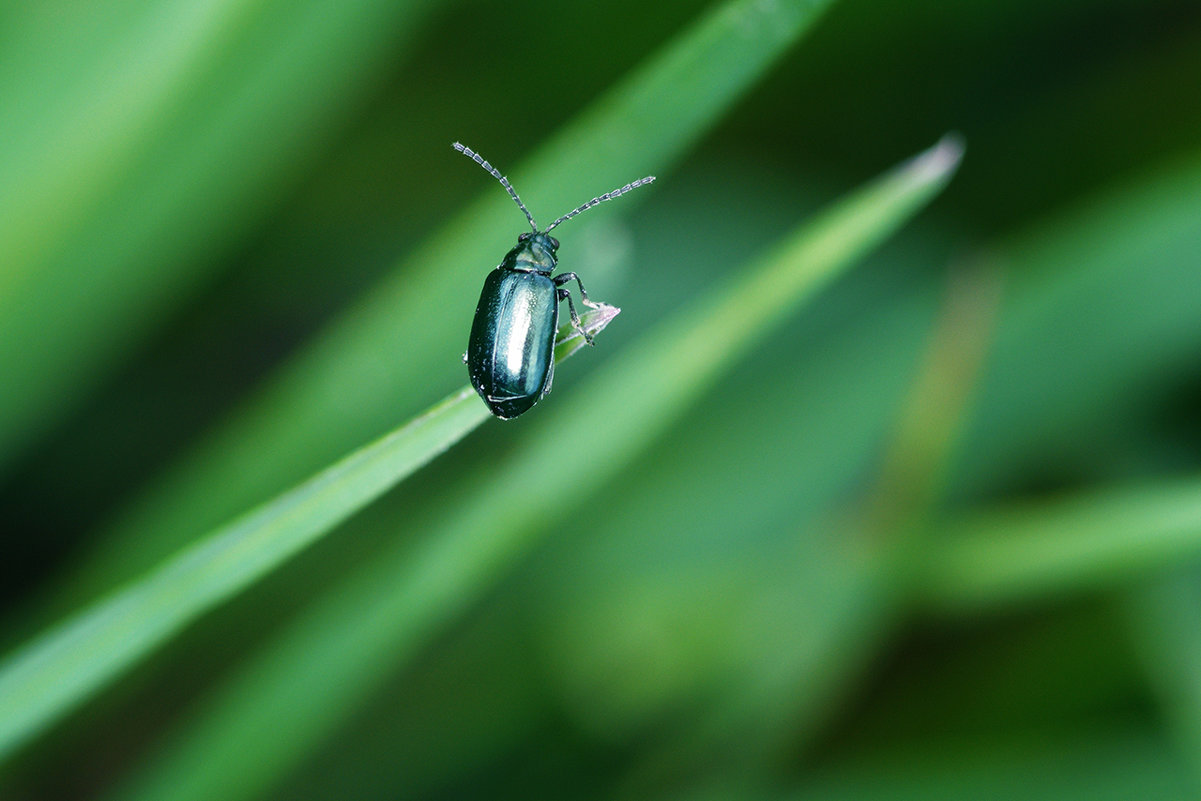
[(564, 278), (575, 318)]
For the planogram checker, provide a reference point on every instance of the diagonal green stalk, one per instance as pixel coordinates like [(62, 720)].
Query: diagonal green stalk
[(1109, 260), (807, 633), (71, 662), (322, 667), (299, 422)]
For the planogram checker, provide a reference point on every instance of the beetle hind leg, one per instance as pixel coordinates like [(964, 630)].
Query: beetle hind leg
[(575, 318)]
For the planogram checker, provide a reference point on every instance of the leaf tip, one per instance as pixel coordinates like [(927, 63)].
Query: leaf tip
[(941, 160), (600, 317), (568, 340)]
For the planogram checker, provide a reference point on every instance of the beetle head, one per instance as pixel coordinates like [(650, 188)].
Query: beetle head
[(534, 251)]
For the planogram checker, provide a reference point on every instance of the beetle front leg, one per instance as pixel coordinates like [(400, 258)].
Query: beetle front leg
[(564, 278), (575, 318)]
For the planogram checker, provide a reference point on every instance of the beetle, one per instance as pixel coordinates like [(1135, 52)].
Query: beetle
[(510, 355)]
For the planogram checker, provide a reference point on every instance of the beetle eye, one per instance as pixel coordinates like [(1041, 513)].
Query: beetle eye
[(554, 243), (523, 237)]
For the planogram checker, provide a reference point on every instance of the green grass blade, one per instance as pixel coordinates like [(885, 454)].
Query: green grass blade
[(298, 423), (1096, 540), (821, 607), (127, 173), (322, 667), (61, 669)]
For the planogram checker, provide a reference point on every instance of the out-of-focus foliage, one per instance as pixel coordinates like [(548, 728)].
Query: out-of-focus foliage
[(934, 538)]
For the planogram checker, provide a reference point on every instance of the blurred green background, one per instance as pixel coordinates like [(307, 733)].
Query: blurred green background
[(938, 536)]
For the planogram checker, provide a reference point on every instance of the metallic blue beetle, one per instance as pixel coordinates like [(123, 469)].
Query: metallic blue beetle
[(511, 353)]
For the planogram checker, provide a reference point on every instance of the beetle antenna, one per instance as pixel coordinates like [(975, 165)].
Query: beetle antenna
[(601, 199), (466, 151)]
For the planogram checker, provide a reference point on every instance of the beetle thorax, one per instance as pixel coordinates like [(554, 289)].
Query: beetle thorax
[(534, 253)]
